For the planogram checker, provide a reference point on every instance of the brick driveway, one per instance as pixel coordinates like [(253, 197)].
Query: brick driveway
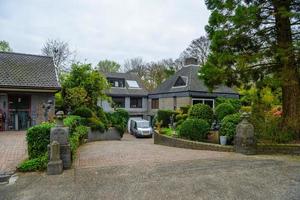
[(132, 151), (12, 150)]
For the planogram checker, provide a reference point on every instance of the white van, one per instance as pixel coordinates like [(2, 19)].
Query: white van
[(139, 127)]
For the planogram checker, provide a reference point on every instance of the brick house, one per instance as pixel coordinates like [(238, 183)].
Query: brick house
[(26, 83), (185, 88)]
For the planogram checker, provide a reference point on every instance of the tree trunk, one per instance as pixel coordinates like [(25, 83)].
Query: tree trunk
[(289, 72)]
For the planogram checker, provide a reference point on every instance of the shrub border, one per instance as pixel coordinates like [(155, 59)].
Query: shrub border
[(188, 144), (262, 149)]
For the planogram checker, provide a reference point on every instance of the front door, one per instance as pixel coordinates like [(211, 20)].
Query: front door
[(19, 112)]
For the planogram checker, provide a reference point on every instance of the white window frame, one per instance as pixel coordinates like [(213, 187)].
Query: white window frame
[(133, 81), (203, 99)]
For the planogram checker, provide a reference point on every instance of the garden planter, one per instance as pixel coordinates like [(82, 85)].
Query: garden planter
[(110, 134), (223, 140)]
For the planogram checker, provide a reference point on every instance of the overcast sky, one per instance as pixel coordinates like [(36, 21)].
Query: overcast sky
[(104, 29)]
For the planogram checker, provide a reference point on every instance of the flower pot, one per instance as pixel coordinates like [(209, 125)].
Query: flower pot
[(223, 140)]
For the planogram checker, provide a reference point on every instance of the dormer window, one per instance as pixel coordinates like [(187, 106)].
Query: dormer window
[(132, 84), (115, 82), (181, 81)]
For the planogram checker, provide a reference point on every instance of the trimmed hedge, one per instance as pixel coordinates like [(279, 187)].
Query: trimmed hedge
[(228, 125), (236, 103), (38, 137), (164, 116), (194, 129), (224, 109), (201, 111)]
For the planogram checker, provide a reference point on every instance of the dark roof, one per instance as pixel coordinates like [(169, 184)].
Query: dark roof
[(126, 91), (27, 71), (193, 83)]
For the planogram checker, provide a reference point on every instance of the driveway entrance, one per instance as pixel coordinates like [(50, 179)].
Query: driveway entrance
[(12, 150), (132, 151)]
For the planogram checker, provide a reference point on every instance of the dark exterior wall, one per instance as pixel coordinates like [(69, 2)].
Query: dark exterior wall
[(37, 111)]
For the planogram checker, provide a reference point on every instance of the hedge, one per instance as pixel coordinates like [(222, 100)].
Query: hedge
[(194, 129), (84, 112), (38, 137)]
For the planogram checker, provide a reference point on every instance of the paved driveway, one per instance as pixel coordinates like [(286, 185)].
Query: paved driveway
[(12, 150), (138, 169)]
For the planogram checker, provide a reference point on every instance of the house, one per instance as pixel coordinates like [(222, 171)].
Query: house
[(127, 92), (185, 88), (27, 82)]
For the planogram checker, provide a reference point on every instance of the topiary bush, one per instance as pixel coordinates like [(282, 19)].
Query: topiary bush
[(38, 137), (194, 129), (228, 125), (84, 112), (164, 116), (224, 109), (102, 116), (201, 111)]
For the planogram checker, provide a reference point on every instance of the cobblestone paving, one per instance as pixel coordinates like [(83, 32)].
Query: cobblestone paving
[(12, 150), (132, 151)]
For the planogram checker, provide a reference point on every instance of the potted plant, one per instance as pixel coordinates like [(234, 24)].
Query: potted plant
[(223, 139)]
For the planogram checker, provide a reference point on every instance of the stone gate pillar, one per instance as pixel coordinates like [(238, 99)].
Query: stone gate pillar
[(244, 141), (60, 133)]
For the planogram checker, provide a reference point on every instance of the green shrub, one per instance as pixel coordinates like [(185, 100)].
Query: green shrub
[(121, 113), (224, 109), (185, 109), (96, 124), (236, 103), (84, 112), (167, 131), (73, 121), (35, 164), (194, 129), (77, 138), (181, 117), (201, 111), (119, 120), (165, 117), (38, 137), (102, 116), (228, 125)]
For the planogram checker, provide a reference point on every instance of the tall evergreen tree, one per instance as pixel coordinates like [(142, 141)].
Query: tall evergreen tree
[(255, 39)]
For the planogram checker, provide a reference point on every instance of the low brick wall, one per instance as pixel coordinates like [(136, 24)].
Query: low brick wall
[(266, 149), (291, 149), (181, 143)]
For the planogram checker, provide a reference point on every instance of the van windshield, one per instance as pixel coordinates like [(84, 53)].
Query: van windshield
[(143, 124)]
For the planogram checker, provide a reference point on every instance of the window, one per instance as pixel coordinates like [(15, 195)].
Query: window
[(132, 84), (114, 82), (209, 102), (181, 81), (119, 102), (155, 103), (136, 102)]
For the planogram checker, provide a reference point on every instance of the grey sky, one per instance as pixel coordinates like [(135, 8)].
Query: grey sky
[(104, 29)]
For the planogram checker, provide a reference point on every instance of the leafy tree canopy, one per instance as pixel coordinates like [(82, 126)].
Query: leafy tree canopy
[(4, 46), (83, 85), (105, 66), (255, 40)]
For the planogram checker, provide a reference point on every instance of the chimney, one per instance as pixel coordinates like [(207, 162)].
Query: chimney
[(190, 61)]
